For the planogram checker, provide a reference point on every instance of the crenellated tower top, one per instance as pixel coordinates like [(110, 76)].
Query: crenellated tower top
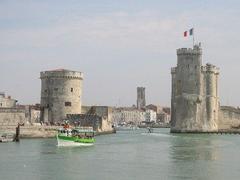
[(196, 50), (61, 73)]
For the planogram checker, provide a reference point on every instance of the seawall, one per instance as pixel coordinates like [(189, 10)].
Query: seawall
[(40, 131)]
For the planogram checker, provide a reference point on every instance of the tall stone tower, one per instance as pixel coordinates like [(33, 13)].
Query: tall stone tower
[(61, 92), (194, 102), (141, 101)]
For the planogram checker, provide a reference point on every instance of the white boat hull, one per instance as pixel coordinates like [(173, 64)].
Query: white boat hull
[(65, 143), (6, 140)]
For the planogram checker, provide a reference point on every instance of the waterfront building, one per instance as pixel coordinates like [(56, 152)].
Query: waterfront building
[(7, 101), (128, 115), (163, 117), (154, 107), (150, 115), (61, 92), (162, 113), (141, 101)]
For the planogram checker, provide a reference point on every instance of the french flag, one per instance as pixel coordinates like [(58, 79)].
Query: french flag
[(188, 33)]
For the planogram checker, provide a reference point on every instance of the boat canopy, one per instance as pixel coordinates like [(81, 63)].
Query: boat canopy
[(78, 130), (84, 129)]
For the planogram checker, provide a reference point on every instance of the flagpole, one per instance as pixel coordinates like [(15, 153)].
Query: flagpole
[(193, 37)]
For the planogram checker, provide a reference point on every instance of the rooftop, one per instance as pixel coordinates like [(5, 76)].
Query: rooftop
[(58, 70)]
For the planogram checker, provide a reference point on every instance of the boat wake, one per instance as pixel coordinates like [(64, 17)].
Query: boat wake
[(157, 134)]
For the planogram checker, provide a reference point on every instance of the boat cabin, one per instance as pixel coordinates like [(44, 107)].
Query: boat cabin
[(77, 132)]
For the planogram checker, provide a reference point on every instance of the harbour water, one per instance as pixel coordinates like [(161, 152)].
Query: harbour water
[(126, 155)]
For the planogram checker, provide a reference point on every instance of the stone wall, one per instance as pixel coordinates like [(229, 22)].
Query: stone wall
[(86, 120), (29, 131), (20, 114), (12, 116), (106, 113), (229, 117), (98, 117)]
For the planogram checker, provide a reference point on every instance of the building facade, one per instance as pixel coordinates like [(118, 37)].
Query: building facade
[(141, 101), (163, 117), (150, 116), (195, 101), (128, 115), (61, 92), (7, 101)]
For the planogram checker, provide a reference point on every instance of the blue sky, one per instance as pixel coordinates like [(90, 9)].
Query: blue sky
[(118, 45)]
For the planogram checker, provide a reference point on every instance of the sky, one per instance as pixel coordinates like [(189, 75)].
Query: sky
[(117, 44)]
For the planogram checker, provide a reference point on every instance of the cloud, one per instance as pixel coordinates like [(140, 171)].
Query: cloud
[(141, 44), (117, 30)]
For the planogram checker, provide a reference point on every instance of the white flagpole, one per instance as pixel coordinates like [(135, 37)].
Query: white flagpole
[(193, 36)]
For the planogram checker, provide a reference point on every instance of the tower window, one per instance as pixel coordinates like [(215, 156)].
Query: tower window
[(71, 89), (55, 89), (45, 90), (68, 104)]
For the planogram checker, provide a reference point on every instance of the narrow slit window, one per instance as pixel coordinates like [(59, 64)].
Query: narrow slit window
[(68, 104)]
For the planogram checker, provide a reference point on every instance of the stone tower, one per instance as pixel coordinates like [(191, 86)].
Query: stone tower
[(61, 92), (194, 102), (141, 101)]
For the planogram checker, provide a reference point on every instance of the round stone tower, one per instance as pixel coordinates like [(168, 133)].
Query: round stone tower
[(61, 92), (212, 100)]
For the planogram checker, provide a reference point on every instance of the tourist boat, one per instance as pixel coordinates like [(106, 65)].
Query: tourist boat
[(80, 136)]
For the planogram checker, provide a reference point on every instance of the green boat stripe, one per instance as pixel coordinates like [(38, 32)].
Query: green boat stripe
[(76, 139)]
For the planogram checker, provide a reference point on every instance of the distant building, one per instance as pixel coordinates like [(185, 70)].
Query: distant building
[(150, 115), (7, 102), (11, 114), (155, 108), (61, 92), (33, 113), (163, 117), (128, 115), (162, 113), (141, 101)]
